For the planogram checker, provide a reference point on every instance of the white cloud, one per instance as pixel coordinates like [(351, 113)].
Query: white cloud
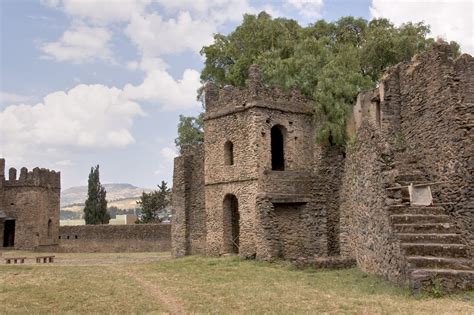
[(6, 97), (80, 44), (50, 3), (155, 37), (86, 116), (100, 11), (310, 9), (65, 163), (449, 19), (216, 12), (168, 153), (148, 64), (159, 86)]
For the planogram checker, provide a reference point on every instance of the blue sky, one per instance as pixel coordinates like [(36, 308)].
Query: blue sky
[(87, 82)]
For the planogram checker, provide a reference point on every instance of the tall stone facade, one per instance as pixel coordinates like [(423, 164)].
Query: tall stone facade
[(249, 188), (414, 129), (29, 208), (261, 187)]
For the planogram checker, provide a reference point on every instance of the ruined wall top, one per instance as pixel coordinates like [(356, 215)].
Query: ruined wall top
[(38, 177), (192, 149), (230, 99), (382, 105)]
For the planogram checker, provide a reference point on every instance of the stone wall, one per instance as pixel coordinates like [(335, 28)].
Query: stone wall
[(115, 238), (188, 204), (436, 119), (32, 200), (328, 167), (415, 127), (365, 230)]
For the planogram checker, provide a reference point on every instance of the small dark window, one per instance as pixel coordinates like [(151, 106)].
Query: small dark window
[(67, 237), (59, 237), (277, 143), (75, 236), (229, 153)]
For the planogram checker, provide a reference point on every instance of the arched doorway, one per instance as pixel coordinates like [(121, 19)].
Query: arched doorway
[(231, 222), (9, 233), (278, 152)]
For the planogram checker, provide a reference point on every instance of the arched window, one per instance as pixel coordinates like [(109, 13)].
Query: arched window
[(50, 228), (231, 222), (278, 152), (229, 153)]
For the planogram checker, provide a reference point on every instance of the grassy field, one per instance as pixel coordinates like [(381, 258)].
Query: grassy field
[(154, 283)]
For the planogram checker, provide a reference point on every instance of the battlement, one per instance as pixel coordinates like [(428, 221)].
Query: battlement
[(38, 177), (229, 99)]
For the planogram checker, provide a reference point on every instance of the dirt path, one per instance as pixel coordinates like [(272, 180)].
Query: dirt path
[(173, 305)]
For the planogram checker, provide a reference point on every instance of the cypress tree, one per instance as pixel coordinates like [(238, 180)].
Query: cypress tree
[(95, 210)]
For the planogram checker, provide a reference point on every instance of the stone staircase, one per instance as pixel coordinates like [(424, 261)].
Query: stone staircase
[(437, 256)]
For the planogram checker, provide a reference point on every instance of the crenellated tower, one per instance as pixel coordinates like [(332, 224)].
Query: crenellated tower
[(248, 188), (30, 205)]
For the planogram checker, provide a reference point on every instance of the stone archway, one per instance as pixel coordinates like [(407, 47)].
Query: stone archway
[(231, 224)]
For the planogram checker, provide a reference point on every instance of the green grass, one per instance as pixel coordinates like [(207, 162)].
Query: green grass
[(109, 283)]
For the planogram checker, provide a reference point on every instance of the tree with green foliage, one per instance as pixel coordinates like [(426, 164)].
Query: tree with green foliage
[(95, 210), (330, 62), (190, 131), (154, 204)]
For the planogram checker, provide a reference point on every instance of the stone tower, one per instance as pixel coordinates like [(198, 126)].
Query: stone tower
[(29, 208), (258, 175)]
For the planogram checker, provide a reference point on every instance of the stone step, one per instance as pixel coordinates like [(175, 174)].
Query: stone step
[(414, 182), (419, 218), (435, 249), (424, 228), (449, 238), (431, 262), (449, 280), (411, 177), (416, 210)]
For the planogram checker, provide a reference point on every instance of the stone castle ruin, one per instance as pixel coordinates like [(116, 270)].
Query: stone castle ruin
[(29, 208), (398, 200)]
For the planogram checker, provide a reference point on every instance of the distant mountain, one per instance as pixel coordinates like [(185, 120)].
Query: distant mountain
[(78, 194)]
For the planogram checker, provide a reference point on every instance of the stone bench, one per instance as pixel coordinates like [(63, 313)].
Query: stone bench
[(44, 259), (16, 260)]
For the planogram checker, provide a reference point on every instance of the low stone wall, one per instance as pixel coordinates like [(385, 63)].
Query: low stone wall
[(115, 238)]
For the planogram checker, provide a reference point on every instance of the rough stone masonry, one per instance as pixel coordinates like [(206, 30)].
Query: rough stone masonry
[(260, 186), (29, 208)]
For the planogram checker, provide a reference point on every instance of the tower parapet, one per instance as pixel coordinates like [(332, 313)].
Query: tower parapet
[(230, 99), (38, 177)]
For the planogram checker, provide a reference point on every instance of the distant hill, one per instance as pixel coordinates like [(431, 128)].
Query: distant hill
[(115, 192)]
